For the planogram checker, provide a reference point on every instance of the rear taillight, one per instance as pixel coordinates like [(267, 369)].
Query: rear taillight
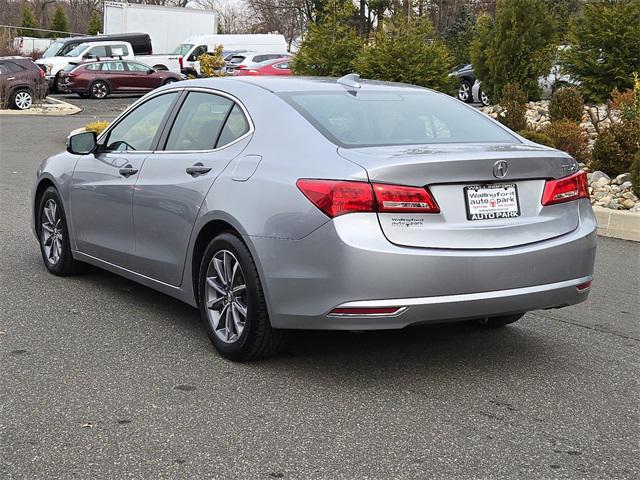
[(399, 199), (336, 197), (40, 73), (366, 311), (180, 62), (339, 197), (566, 189)]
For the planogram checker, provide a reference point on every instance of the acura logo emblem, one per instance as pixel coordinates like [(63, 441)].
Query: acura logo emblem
[(500, 169)]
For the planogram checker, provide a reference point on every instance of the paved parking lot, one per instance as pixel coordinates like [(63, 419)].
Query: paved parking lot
[(103, 378)]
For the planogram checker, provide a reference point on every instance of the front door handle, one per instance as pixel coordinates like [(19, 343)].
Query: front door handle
[(198, 169), (128, 170)]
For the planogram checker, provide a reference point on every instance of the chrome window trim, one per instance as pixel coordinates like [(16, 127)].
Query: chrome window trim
[(233, 99)]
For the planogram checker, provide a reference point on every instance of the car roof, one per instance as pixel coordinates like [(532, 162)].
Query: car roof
[(297, 84)]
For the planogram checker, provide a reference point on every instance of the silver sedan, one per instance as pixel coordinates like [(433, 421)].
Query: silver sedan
[(292, 203)]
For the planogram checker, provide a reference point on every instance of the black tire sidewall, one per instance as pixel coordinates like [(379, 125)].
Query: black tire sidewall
[(66, 261), (228, 241)]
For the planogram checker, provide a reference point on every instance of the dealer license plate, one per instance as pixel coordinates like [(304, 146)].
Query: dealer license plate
[(492, 201)]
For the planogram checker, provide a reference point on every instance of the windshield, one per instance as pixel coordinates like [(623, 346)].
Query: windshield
[(76, 52), (182, 49), (70, 67), (377, 118), (52, 50)]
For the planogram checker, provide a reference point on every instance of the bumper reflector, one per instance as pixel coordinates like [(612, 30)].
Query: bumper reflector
[(584, 286), (367, 312)]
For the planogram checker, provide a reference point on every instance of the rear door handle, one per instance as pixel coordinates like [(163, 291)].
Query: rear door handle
[(198, 169), (128, 171)]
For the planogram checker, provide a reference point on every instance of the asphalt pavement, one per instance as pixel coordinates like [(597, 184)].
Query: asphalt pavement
[(103, 378)]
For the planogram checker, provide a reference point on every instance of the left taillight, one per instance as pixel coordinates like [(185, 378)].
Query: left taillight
[(566, 189), (40, 73), (339, 197)]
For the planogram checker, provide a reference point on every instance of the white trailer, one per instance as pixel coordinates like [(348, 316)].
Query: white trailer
[(166, 26)]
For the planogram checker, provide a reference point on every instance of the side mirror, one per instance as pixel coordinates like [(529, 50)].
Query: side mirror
[(150, 71), (82, 143), (192, 58)]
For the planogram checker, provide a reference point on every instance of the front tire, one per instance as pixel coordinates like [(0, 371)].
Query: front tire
[(22, 99), (497, 322), (99, 90), (53, 235), (232, 303), (464, 92)]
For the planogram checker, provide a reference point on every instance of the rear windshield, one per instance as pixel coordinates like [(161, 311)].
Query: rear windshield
[(367, 119)]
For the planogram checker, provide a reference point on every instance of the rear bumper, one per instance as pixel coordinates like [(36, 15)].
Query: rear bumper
[(349, 262)]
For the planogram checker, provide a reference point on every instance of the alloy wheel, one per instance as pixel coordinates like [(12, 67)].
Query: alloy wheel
[(226, 296), (52, 232), (99, 90), (23, 100), (484, 99), (464, 91)]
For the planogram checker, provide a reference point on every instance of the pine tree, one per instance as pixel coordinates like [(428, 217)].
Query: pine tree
[(28, 21), (604, 48), (59, 21), (407, 50), (331, 46), (460, 35), (517, 48), (95, 24)]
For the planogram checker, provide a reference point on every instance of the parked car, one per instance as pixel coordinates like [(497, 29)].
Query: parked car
[(93, 50), (392, 205), (469, 87), (279, 66), (102, 78), (250, 59), (21, 82)]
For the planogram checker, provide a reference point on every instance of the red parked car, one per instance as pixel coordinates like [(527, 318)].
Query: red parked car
[(101, 78), (279, 66)]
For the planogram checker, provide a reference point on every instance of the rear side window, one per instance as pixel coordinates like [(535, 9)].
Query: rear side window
[(113, 67), (199, 122), (394, 118), (94, 66), (235, 127), (12, 67), (118, 50)]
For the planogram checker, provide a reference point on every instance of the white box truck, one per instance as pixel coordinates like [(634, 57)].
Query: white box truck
[(167, 26)]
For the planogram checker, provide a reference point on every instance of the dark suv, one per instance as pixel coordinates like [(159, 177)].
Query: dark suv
[(21, 82)]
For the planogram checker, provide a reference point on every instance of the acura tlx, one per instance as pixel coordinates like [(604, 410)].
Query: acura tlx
[(305, 203)]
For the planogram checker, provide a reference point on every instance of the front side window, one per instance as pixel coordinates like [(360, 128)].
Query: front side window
[(96, 52), (137, 130), (74, 51), (394, 118), (199, 122)]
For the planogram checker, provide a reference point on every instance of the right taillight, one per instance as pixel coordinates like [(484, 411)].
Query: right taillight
[(339, 197), (566, 189)]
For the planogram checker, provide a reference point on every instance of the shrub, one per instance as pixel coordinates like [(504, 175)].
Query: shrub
[(615, 148), (28, 22), (331, 46), (516, 48), (569, 137), (635, 173), (59, 21), (628, 102), (407, 50), (514, 101), (95, 23), (97, 127), (604, 47), (460, 34), (537, 137), (566, 104), (211, 63)]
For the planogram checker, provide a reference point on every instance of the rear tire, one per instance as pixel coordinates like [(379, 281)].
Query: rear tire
[(99, 90), (168, 81), (53, 235), (232, 303), (497, 322)]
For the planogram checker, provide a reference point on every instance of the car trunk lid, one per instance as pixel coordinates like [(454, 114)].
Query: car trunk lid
[(456, 172)]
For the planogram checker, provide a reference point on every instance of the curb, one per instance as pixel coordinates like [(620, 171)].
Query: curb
[(618, 223), (52, 107)]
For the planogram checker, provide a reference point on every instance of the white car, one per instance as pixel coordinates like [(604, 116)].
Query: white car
[(247, 59)]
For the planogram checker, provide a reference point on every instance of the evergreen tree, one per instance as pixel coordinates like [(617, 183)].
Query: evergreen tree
[(517, 48), (59, 20), (95, 24), (330, 46), (407, 50), (604, 48), (28, 21), (460, 35)]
